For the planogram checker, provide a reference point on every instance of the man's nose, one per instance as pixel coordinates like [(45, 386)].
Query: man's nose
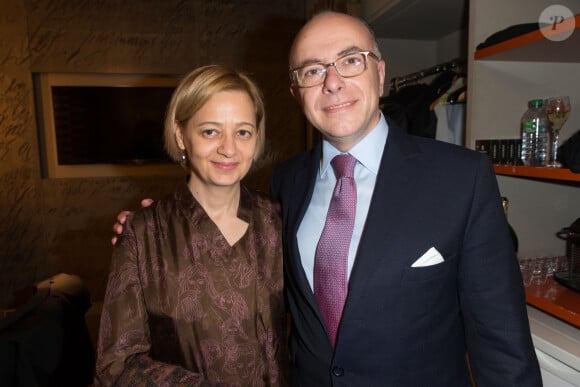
[(332, 81)]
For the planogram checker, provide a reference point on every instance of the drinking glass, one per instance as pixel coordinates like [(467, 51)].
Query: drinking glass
[(525, 268), (558, 111), (551, 266), (538, 271)]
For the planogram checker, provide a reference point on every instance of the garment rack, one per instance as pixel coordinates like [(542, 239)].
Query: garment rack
[(398, 82)]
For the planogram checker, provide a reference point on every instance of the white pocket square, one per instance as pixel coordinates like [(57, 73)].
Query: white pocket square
[(430, 258)]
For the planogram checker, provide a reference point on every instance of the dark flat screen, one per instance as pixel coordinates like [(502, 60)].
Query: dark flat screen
[(110, 125)]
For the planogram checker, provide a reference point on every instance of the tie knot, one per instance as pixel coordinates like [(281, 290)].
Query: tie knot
[(343, 165)]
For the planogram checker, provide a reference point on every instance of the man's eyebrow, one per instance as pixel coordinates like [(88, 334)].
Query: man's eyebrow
[(307, 62), (349, 50), (346, 51)]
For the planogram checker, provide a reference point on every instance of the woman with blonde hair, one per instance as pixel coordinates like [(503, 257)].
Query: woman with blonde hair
[(194, 295)]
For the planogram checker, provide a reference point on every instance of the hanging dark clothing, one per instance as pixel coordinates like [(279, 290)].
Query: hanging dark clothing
[(409, 107)]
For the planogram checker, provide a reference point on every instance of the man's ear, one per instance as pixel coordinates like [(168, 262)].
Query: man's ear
[(382, 67), (295, 91)]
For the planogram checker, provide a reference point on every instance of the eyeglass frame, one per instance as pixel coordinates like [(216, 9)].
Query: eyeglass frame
[(366, 54)]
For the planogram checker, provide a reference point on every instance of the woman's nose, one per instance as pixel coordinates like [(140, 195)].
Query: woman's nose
[(227, 146)]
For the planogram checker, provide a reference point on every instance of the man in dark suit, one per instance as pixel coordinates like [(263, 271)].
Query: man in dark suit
[(431, 273)]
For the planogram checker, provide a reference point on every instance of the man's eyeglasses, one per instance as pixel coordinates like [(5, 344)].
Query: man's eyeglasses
[(347, 66)]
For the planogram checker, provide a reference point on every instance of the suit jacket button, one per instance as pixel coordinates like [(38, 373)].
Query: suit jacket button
[(338, 371)]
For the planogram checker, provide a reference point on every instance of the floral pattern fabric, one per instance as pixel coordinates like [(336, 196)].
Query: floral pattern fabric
[(183, 307)]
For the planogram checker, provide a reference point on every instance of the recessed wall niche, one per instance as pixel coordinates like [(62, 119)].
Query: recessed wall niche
[(96, 125)]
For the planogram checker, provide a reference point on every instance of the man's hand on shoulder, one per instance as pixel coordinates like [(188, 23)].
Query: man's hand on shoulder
[(122, 218)]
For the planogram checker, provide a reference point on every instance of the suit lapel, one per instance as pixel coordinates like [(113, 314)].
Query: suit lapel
[(303, 187), (392, 188), (394, 171)]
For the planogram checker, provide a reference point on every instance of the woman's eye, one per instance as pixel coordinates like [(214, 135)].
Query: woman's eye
[(245, 133), (209, 132)]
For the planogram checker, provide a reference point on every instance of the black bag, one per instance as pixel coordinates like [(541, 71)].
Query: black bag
[(569, 153)]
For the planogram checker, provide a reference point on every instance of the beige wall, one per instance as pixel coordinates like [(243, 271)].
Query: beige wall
[(63, 225)]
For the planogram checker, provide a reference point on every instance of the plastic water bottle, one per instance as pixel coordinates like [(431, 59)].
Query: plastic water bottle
[(535, 135)]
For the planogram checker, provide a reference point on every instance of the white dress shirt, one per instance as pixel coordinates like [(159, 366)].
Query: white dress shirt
[(368, 153)]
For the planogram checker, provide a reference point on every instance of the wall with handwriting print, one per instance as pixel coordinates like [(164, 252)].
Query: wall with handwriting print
[(48, 226)]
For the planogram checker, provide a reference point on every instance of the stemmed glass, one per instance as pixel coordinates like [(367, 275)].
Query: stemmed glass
[(558, 110)]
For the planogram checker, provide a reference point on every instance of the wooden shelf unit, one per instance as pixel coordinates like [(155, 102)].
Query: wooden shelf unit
[(556, 300), (536, 47), (560, 174)]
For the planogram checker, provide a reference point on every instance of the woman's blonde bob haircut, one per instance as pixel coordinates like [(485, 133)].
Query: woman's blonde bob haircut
[(196, 89)]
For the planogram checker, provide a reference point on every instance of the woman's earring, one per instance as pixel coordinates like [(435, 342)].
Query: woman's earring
[(183, 157)]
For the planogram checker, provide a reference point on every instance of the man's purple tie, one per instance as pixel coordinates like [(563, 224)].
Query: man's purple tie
[(331, 260)]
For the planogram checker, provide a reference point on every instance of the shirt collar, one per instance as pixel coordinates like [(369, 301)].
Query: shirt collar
[(368, 152)]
